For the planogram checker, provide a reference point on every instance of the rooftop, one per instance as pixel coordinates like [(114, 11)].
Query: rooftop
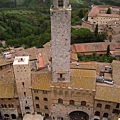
[(21, 60), (107, 93), (41, 80), (92, 47), (7, 84), (84, 79)]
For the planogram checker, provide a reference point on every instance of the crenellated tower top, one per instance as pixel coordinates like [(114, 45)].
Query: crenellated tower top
[(61, 3)]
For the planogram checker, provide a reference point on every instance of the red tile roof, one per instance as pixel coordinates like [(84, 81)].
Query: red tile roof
[(40, 62), (92, 47)]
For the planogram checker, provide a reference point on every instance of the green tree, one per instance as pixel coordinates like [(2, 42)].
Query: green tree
[(108, 11), (108, 50), (96, 30), (81, 13)]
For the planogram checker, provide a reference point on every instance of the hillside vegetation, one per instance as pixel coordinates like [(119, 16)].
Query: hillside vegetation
[(27, 22)]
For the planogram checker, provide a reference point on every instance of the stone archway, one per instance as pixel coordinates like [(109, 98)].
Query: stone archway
[(13, 116), (78, 115), (6, 116)]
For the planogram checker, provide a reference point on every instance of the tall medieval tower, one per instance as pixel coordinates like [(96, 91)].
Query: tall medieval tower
[(22, 72), (60, 40)]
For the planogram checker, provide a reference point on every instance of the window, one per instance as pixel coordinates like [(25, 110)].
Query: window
[(36, 98), (45, 99), (61, 77), (46, 115), (71, 102), (83, 103), (115, 111), (35, 91), (59, 118), (2, 106), (44, 92), (107, 106), (23, 84), (27, 108), (60, 101), (99, 105), (105, 115), (60, 3), (37, 106), (97, 113), (39, 113), (46, 107), (117, 105), (24, 93)]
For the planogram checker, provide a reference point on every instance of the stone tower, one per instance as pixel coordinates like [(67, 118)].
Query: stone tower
[(22, 73), (60, 40)]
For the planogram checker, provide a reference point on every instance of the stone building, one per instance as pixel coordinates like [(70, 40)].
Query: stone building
[(98, 14), (57, 88)]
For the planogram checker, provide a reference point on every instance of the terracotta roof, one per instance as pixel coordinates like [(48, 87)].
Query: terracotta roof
[(41, 80), (3, 62), (40, 62), (107, 93), (92, 47), (83, 65), (7, 84), (84, 79), (46, 54), (32, 52), (73, 56)]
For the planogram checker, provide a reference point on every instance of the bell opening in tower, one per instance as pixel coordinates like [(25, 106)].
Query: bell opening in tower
[(60, 3)]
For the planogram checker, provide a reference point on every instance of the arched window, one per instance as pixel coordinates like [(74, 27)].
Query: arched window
[(2, 106), (105, 115), (46, 107), (107, 106), (83, 103), (13, 116), (71, 102), (45, 99), (37, 106), (60, 101), (46, 115), (60, 3), (97, 113), (6, 115), (36, 98), (99, 105)]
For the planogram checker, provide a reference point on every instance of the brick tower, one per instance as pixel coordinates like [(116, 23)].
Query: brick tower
[(22, 72), (60, 40)]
